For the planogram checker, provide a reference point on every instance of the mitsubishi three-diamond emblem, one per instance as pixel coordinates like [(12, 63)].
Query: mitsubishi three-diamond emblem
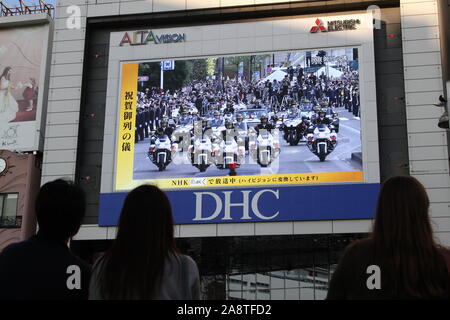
[(318, 27)]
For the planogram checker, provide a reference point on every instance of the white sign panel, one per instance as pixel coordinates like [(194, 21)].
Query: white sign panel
[(23, 56), (168, 65)]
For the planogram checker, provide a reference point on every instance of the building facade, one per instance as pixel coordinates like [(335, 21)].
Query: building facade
[(405, 61), (25, 52)]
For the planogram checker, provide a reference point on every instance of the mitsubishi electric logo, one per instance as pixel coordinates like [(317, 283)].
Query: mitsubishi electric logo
[(335, 25), (318, 27)]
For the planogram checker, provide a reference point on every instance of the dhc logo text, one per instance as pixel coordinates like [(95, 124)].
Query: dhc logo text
[(222, 205)]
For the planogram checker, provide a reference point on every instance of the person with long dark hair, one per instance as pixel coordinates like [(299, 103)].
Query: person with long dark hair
[(8, 104), (143, 262), (400, 259)]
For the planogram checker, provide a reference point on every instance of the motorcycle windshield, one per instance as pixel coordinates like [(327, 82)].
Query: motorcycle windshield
[(163, 138)]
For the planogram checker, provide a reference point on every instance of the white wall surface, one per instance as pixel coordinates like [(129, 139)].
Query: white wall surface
[(63, 111), (99, 8), (428, 150)]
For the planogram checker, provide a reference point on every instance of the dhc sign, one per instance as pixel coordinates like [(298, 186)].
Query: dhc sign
[(325, 202), (222, 205)]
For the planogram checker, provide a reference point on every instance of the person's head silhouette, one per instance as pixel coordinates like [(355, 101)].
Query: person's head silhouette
[(134, 265), (403, 208), (60, 207), (403, 238)]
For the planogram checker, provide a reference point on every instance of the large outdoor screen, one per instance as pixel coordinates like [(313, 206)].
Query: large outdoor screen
[(268, 120), (271, 118)]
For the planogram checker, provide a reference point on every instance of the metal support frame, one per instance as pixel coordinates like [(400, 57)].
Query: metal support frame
[(23, 9)]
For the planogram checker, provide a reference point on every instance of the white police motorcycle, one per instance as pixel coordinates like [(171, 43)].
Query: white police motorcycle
[(322, 140), (265, 147), (200, 153), (160, 152)]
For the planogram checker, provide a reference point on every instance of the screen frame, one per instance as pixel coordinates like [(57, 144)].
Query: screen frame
[(368, 131)]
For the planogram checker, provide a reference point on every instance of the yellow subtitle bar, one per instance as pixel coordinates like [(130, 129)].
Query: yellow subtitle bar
[(253, 180)]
